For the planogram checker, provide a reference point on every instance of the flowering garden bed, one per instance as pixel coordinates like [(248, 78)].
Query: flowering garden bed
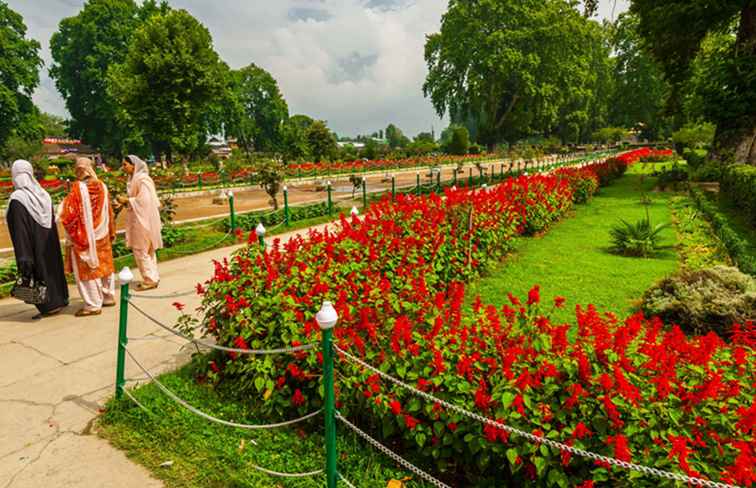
[(632, 389)]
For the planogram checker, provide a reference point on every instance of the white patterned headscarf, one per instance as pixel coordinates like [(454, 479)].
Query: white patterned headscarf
[(29, 193)]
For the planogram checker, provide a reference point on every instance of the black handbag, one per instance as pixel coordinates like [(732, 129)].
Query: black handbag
[(29, 292)]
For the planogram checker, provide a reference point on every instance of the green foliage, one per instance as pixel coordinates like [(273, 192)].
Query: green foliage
[(641, 239), (456, 140), (697, 245), (271, 173), (395, 137), (694, 137), (169, 80), (298, 213), (258, 111), (537, 66), (638, 87), (173, 235), (84, 47), (19, 76), (609, 135), (704, 300), (736, 245), (708, 171), (321, 141), (700, 52), (738, 184), (295, 143), (694, 157)]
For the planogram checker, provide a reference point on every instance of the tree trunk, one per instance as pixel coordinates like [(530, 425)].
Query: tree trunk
[(735, 141)]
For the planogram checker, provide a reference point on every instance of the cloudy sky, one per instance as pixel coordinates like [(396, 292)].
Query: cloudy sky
[(356, 63)]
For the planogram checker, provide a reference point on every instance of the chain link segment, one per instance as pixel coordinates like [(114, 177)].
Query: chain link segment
[(536, 438), (202, 414), (385, 450), (164, 297), (278, 474), (303, 347)]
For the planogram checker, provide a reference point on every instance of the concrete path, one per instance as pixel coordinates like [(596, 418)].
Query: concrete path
[(57, 374)]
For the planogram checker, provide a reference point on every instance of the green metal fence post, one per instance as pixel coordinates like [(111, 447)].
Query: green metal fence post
[(286, 205), (417, 183), (454, 177), (438, 179), (326, 319), (364, 192), (502, 171), (330, 200), (260, 231), (231, 209), (469, 177), (393, 188), (125, 277), (199, 180)]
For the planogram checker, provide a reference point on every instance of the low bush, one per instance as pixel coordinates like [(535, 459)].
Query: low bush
[(736, 246), (695, 157), (672, 177), (738, 184), (709, 171), (248, 221), (641, 239), (704, 300)]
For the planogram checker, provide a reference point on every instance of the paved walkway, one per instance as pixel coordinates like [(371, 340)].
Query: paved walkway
[(57, 374)]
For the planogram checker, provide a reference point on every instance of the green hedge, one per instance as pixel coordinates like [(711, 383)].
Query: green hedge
[(248, 222), (736, 246), (739, 185)]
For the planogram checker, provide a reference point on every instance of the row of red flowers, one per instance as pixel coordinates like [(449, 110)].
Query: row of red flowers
[(635, 390)]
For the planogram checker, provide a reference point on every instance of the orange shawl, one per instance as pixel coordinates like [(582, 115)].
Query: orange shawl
[(72, 218)]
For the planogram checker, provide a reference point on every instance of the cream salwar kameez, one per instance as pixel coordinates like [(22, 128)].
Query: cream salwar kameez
[(143, 225)]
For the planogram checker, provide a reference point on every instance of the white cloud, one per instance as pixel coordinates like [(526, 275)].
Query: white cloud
[(356, 63)]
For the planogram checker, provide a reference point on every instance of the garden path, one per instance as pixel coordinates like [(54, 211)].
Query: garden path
[(57, 374)]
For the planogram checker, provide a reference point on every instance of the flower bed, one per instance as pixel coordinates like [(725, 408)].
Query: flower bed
[(360, 165), (635, 389)]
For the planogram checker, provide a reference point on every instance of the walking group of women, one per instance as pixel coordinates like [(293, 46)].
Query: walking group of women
[(88, 223)]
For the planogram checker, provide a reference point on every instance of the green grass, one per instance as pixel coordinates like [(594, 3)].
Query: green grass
[(573, 260), (209, 455)]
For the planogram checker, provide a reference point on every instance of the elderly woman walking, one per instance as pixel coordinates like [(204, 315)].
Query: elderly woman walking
[(87, 218), (143, 225), (31, 222)]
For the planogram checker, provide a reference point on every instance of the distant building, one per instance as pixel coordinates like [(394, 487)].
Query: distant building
[(55, 148), (356, 145), (220, 147)]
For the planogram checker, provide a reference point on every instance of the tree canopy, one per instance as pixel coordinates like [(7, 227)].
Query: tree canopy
[(678, 33), (517, 68), (19, 76), (321, 141), (169, 80), (83, 49), (258, 111)]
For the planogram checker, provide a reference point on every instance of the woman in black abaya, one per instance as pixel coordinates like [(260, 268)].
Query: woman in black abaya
[(31, 222)]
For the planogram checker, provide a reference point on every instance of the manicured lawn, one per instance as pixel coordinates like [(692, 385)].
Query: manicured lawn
[(573, 260), (208, 455)]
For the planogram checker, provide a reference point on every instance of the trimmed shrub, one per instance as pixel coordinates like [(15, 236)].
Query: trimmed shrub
[(706, 172), (736, 246), (641, 239), (695, 157), (704, 300), (738, 183)]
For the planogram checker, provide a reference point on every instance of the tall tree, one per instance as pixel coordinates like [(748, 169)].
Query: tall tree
[(258, 111), (516, 66), (639, 89), (674, 31), (83, 49), (296, 144), (321, 140), (395, 137), (19, 74), (169, 81)]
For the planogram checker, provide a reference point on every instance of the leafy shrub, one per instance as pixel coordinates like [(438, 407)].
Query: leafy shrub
[(709, 299), (709, 171), (736, 246), (172, 235), (641, 239), (694, 136), (695, 157), (249, 221), (738, 183), (673, 177)]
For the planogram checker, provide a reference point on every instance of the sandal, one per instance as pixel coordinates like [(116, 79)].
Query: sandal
[(87, 313), (48, 314), (109, 304), (146, 286)]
